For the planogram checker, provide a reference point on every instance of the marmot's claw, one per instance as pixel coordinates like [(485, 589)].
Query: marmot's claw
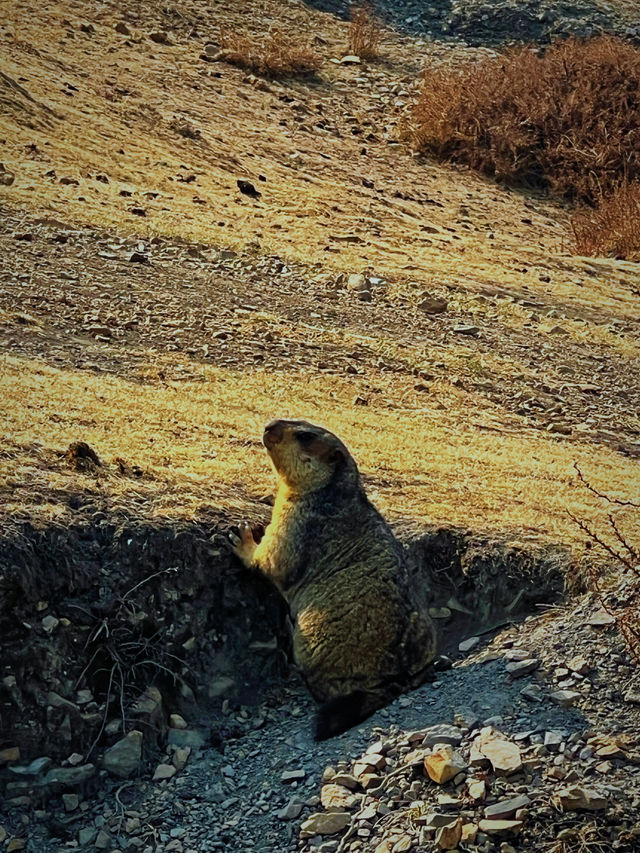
[(242, 542)]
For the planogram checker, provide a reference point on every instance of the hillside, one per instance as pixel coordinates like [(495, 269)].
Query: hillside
[(153, 308)]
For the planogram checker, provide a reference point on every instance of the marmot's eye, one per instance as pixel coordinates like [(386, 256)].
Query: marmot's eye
[(305, 437)]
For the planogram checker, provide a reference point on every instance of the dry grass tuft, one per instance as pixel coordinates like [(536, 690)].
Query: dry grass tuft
[(613, 227), (277, 54), (365, 32), (567, 119)]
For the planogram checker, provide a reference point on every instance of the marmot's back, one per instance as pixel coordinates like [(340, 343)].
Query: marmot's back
[(359, 636)]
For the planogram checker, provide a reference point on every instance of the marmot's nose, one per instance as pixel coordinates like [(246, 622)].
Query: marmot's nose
[(273, 432)]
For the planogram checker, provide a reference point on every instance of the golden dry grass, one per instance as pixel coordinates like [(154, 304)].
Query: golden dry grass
[(365, 32), (275, 54), (198, 445)]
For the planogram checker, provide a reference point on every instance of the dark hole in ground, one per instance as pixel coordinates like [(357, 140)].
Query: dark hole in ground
[(112, 624)]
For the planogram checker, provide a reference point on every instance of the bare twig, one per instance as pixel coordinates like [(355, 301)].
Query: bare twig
[(105, 715), (604, 545), (602, 495)]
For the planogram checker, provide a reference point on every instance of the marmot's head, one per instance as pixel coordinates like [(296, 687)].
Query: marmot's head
[(307, 457)]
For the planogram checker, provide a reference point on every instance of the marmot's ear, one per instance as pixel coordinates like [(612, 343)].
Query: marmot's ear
[(338, 457)]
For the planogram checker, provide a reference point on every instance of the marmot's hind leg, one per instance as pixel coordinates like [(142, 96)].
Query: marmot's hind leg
[(343, 712)]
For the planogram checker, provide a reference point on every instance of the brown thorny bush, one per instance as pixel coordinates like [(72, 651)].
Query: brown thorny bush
[(567, 119), (618, 589), (276, 54), (613, 227), (365, 32)]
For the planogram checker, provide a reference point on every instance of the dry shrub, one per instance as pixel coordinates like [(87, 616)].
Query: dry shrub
[(613, 227), (619, 590), (567, 119), (273, 55), (365, 32)]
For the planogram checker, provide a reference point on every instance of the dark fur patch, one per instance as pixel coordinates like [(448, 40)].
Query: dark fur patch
[(340, 714)]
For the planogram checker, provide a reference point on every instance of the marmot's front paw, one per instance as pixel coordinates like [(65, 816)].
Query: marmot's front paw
[(244, 545)]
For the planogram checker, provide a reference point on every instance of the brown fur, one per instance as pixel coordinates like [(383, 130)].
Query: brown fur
[(359, 637)]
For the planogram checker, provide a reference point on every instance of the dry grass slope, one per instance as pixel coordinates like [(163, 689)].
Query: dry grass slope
[(567, 119), (197, 444)]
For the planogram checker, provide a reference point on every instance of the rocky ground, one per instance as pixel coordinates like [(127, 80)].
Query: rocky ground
[(102, 302), (529, 742), (479, 22)]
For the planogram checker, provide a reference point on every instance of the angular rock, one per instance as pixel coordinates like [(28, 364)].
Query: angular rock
[(436, 820), (469, 833), (442, 733), (123, 758), (601, 619), (292, 810), (344, 779), (369, 781), (576, 798), (500, 827), (518, 668), (448, 837), (35, 768), (325, 823), (86, 835), (69, 777), (443, 764), (506, 808), (71, 802), (369, 763), (468, 644), (11, 753), (532, 692), (504, 756), (579, 664), (180, 757), (50, 623), (185, 737), (164, 771), (336, 797), (292, 775), (432, 304), (477, 789), (103, 840), (565, 698), (633, 695)]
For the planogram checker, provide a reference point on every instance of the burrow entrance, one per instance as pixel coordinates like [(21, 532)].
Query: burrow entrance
[(113, 625)]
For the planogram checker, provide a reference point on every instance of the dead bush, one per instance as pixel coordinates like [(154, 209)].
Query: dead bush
[(612, 228), (274, 55), (365, 32), (567, 119), (619, 588)]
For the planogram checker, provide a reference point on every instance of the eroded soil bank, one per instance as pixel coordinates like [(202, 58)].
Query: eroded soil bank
[(92, 615), (112, 627)]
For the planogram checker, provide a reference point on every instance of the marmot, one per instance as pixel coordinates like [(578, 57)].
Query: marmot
[(360, 637)]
